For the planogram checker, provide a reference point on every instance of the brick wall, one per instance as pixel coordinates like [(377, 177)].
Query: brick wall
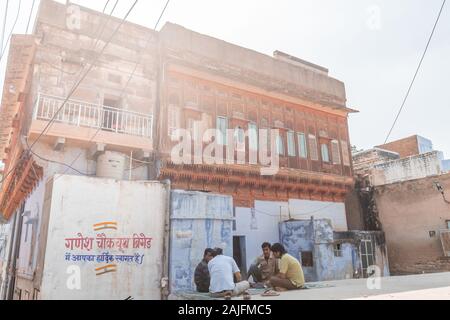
[(405, 147), (412, 214)]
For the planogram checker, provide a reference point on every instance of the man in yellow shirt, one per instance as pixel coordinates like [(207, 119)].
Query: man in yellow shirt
[(291, 275)]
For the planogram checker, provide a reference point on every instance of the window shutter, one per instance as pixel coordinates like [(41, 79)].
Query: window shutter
[(313, 147), (336, 154), (345, 153), (173, 120)]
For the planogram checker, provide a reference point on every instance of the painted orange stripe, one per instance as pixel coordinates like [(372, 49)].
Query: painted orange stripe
[(104, 223), (105, 228), (110, 271), (106, 267)]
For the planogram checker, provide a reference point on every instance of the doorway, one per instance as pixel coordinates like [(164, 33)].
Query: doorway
[(240, 254), (367, 253), (111, 116)]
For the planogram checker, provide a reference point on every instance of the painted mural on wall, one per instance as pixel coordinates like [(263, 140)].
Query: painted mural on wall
[(106, 242), (112, 250)]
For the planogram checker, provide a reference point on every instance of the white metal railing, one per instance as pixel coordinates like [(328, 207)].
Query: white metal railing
[(85, 114)]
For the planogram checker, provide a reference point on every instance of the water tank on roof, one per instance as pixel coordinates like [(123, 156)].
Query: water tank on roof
[(111, 165)]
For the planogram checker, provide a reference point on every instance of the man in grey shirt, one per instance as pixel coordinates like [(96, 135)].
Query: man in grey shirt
[(222, 270)]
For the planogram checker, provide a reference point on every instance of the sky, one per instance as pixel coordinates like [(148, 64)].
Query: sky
[(373, 46)]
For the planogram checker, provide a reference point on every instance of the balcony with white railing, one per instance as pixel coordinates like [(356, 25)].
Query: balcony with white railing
[(84, 114), (92, 122)]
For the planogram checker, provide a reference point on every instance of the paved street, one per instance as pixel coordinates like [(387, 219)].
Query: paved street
[(427, 286)]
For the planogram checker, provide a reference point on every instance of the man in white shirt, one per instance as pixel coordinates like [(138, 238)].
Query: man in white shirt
[(222, 270)]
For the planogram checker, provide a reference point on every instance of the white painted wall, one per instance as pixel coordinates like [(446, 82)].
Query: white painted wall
[(334, 211), (264, 226), (260, 228), (77, 204), (26, 264), (5, 243), (416, 167), (82, 162)]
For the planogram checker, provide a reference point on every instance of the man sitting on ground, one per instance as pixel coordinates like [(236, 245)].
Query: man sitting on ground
[(201, 275), (222, 269), (264, 267), (290, 276)]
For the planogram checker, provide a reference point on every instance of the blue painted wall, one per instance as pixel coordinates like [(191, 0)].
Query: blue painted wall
[(296, 237), (197, 221), (317, 236), (446, 165)]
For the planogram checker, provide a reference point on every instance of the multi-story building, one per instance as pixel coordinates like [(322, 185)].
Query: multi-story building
[(85, 90), (209, 83), (402, 190)]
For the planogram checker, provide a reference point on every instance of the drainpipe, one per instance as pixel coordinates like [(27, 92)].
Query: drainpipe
[(14, 255), (165, 281)]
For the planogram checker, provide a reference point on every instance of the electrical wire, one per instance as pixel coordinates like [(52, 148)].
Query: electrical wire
[(296, 215), (93, 47), (102, 28), (5, 18), (5, 176), (106, 5), (31, 14), (2, 51), (55, 162), (128, 82), (135, 168), (67, 98), (77, 84), (145, 49), (416, 73), (12, 30)]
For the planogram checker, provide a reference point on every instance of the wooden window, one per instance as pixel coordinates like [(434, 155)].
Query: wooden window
[(335, 153), (345, 153), (313, 148), (280, 145), (191, 94), (194, 128), (302, 148), (325, 152), (239, 138), (222, 127), (291, 144), (253, 136), (173, 119)]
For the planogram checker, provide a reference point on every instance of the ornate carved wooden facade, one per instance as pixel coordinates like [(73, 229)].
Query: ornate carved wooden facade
[(315, 150)]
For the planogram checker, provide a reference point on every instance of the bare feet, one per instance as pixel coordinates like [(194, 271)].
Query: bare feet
[(279, 289)]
